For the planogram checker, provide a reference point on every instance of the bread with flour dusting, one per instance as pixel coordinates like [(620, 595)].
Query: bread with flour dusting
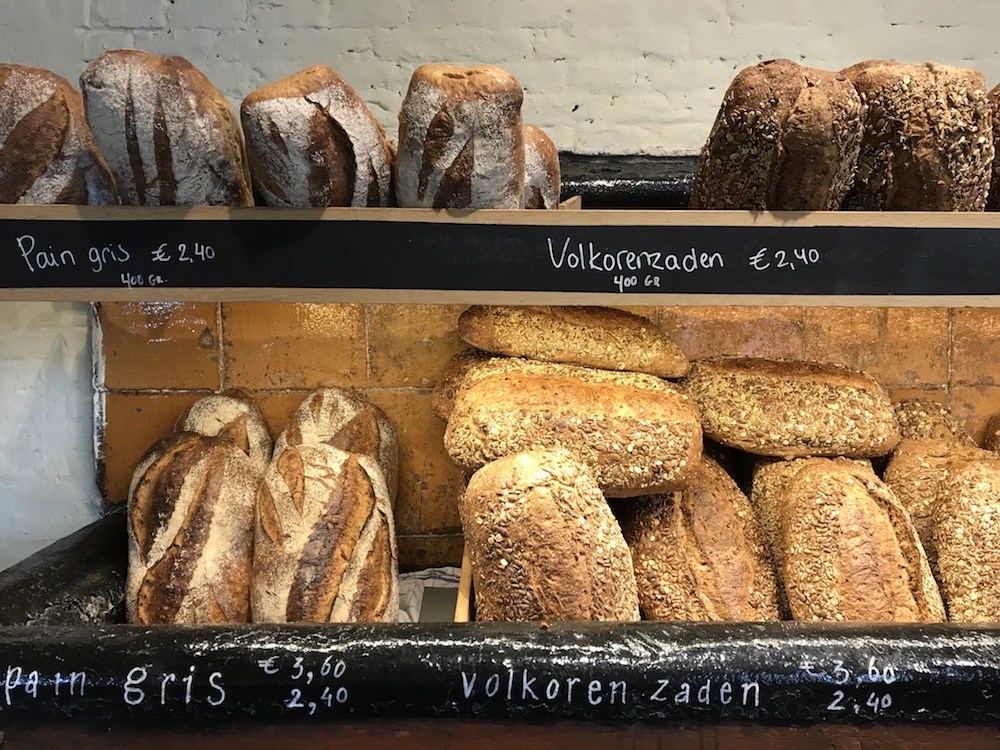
[(461, 139), (312, 141), (236, 416), (542, 177), (170, 136), (47, 152)]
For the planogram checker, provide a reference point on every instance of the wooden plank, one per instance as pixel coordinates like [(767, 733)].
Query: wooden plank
[(463, 606)]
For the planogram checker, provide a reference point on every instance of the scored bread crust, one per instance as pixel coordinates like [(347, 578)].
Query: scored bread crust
[(170, 136), (236, 416), (968, 540), (47, 151), (543, 543), (601, 337), (850, 552), (461, 139), (698, 553), (786, 138), (542, 176), (792, 408), (190, 533), (324, 540), (312, 141), (636, 441), (928, 138)]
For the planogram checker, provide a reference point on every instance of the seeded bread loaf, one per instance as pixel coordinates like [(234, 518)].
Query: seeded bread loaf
[(786, 138), (928, 139), (543, 543), (451, 377), (968, 540), (345, 420), (47, 152), (236, 416), (170, 136), (925, 419), (312, 141), (190, 533), (991, 441), (636, 441), (325, 540), (542, 177), (792, 408), (993, 198), (916, 473), (698, 552), (850, 552), (461, 139), (601, 337)]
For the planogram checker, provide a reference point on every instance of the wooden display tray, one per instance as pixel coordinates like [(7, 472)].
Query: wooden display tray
[(398, 255)]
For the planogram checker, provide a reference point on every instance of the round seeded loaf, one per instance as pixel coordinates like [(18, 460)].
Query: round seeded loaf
[(543, 543), (925, 419), (791, 408)]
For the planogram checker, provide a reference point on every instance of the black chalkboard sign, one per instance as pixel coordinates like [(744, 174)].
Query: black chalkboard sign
[(614, 252)]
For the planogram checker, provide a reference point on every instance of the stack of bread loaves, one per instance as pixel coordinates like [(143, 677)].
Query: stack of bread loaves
[(219, 532)]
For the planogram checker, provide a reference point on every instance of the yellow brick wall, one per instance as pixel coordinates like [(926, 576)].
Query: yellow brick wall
[(160, 357)]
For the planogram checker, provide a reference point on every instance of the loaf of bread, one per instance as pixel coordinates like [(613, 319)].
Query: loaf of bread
[(47, 152), (345, 420), (991, 440), (786, 138), (968, 540), (916, 473), (636, 441), (190, 533), (325, 540), (542, 175), (312, 141), (601, 337), (235, 416), (461, 139), (543, 543), (993, 198), (926, 419), (698, 552), (791, 408), (443, 400), (451, 378), (170, 136), (849, 550), (928, 139)]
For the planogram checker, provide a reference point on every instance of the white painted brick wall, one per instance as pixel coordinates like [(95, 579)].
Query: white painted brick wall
[(637, 77)]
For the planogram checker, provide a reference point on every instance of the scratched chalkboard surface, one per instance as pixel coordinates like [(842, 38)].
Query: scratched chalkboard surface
[(669, 252)]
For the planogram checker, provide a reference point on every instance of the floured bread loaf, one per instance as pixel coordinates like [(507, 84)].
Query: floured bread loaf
[(190, 533), (345, 420), (636, 441), (928, 139), (234, 415), (325, 540), (786, 138), (925, 419), (461, 139), (698, 553), (791, 408), (968, 540), (543, 543), (170, 136), (478, 369), (601, 337), (542, 178), (47, 152), (850, 552), (312, 141), (916, 472)]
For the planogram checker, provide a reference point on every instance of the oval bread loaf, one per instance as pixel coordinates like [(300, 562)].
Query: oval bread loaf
[(190, 533), (698, 553), (542, 177), (791, 408), (543, 543), (324, 540), (600, 337), (236, 416), (925, 419), (170, 136), (850, 552), (47, 151), (636, 441), (344, 420)]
